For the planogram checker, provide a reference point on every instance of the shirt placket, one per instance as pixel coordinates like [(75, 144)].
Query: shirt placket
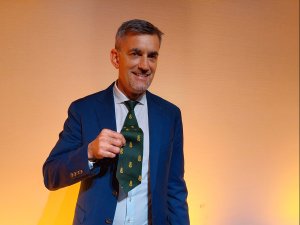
[(130, 206)]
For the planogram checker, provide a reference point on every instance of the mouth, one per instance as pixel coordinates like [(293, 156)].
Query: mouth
[(141, 74)]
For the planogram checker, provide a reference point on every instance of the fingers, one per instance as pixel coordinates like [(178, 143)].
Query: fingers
[(106, 151), (106, 145), (116, 138)]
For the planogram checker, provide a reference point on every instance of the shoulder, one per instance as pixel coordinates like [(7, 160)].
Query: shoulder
[(163, 104), (92, 100)]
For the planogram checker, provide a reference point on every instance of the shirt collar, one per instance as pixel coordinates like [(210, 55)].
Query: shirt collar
[(120, 98)]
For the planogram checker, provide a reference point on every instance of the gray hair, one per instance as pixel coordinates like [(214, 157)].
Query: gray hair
[(136, 27)]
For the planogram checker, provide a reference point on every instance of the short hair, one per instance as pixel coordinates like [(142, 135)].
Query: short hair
[(136, 27)]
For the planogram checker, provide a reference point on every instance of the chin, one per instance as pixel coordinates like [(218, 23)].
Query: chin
[(139, 91), (140, 88)]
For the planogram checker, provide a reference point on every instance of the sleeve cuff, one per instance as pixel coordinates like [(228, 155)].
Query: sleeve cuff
[(91, 164)]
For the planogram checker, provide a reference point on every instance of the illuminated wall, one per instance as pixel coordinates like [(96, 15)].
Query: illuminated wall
[(232, 67)]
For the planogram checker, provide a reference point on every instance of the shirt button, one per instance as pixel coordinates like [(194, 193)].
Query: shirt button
[(108, 221)]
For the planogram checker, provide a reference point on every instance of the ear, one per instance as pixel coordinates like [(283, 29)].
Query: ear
[(114, 58)]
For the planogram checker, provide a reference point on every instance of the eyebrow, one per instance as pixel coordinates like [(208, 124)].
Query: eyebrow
[(153, 53), (135, 50)]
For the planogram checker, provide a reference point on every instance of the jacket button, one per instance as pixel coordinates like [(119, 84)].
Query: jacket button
[(115, 193), (108, 221)]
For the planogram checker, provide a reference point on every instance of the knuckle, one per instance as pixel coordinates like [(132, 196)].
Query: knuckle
[(116, 150), (103, 131), (117, 142), (102, 139)]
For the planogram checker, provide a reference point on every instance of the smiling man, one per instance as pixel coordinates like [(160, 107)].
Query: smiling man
[(124, 144)]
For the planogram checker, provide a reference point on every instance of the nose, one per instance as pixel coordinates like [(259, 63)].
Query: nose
[(144, 64)]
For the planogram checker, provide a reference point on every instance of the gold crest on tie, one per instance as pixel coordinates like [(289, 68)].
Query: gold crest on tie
[(140, 178), (130, 164), (121, 170), (138, 138), (121, 151), (130, 145), (130, 183), (130, 116), (132, 126), (139, 158)]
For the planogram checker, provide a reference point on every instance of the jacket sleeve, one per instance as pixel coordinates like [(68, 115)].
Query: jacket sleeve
[(177, 190), (68, 160)]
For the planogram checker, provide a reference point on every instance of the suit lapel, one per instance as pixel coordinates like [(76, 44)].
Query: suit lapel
[(155, 134), (105, 111)]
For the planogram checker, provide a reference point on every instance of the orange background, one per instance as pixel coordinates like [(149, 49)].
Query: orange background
[(231, 66)]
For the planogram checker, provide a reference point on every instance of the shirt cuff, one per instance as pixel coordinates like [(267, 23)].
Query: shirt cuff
[(91, 164)]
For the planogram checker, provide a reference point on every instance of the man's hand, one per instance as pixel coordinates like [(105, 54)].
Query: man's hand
[(106, 145)]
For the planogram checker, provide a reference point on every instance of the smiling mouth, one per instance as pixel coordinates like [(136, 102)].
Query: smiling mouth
[(141, 74)]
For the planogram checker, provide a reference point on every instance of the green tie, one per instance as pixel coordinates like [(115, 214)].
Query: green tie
[(129, 171)]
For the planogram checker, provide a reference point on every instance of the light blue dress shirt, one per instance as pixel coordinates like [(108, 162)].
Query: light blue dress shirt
[(133, 209)]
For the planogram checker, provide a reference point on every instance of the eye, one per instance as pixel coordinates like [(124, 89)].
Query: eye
[(153, 55), (134, 54)]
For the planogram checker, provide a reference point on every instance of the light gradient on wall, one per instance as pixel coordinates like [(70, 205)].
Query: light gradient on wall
[(231, 66)]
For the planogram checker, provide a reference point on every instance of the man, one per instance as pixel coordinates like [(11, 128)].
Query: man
[(124, 144)]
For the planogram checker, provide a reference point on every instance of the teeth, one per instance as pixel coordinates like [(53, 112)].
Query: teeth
[(142, 75)]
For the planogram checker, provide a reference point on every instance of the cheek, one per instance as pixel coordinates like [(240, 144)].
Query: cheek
[(153, 66), (131, 62)]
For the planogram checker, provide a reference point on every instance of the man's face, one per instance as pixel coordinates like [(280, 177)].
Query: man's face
[(136, 60)]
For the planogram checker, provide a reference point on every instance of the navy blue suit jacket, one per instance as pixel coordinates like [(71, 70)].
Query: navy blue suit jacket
[(97, 199)]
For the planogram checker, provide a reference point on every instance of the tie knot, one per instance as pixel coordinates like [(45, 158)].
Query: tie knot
[(130, 104)]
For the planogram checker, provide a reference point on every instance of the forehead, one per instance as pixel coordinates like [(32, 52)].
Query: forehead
[(140, 41)]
